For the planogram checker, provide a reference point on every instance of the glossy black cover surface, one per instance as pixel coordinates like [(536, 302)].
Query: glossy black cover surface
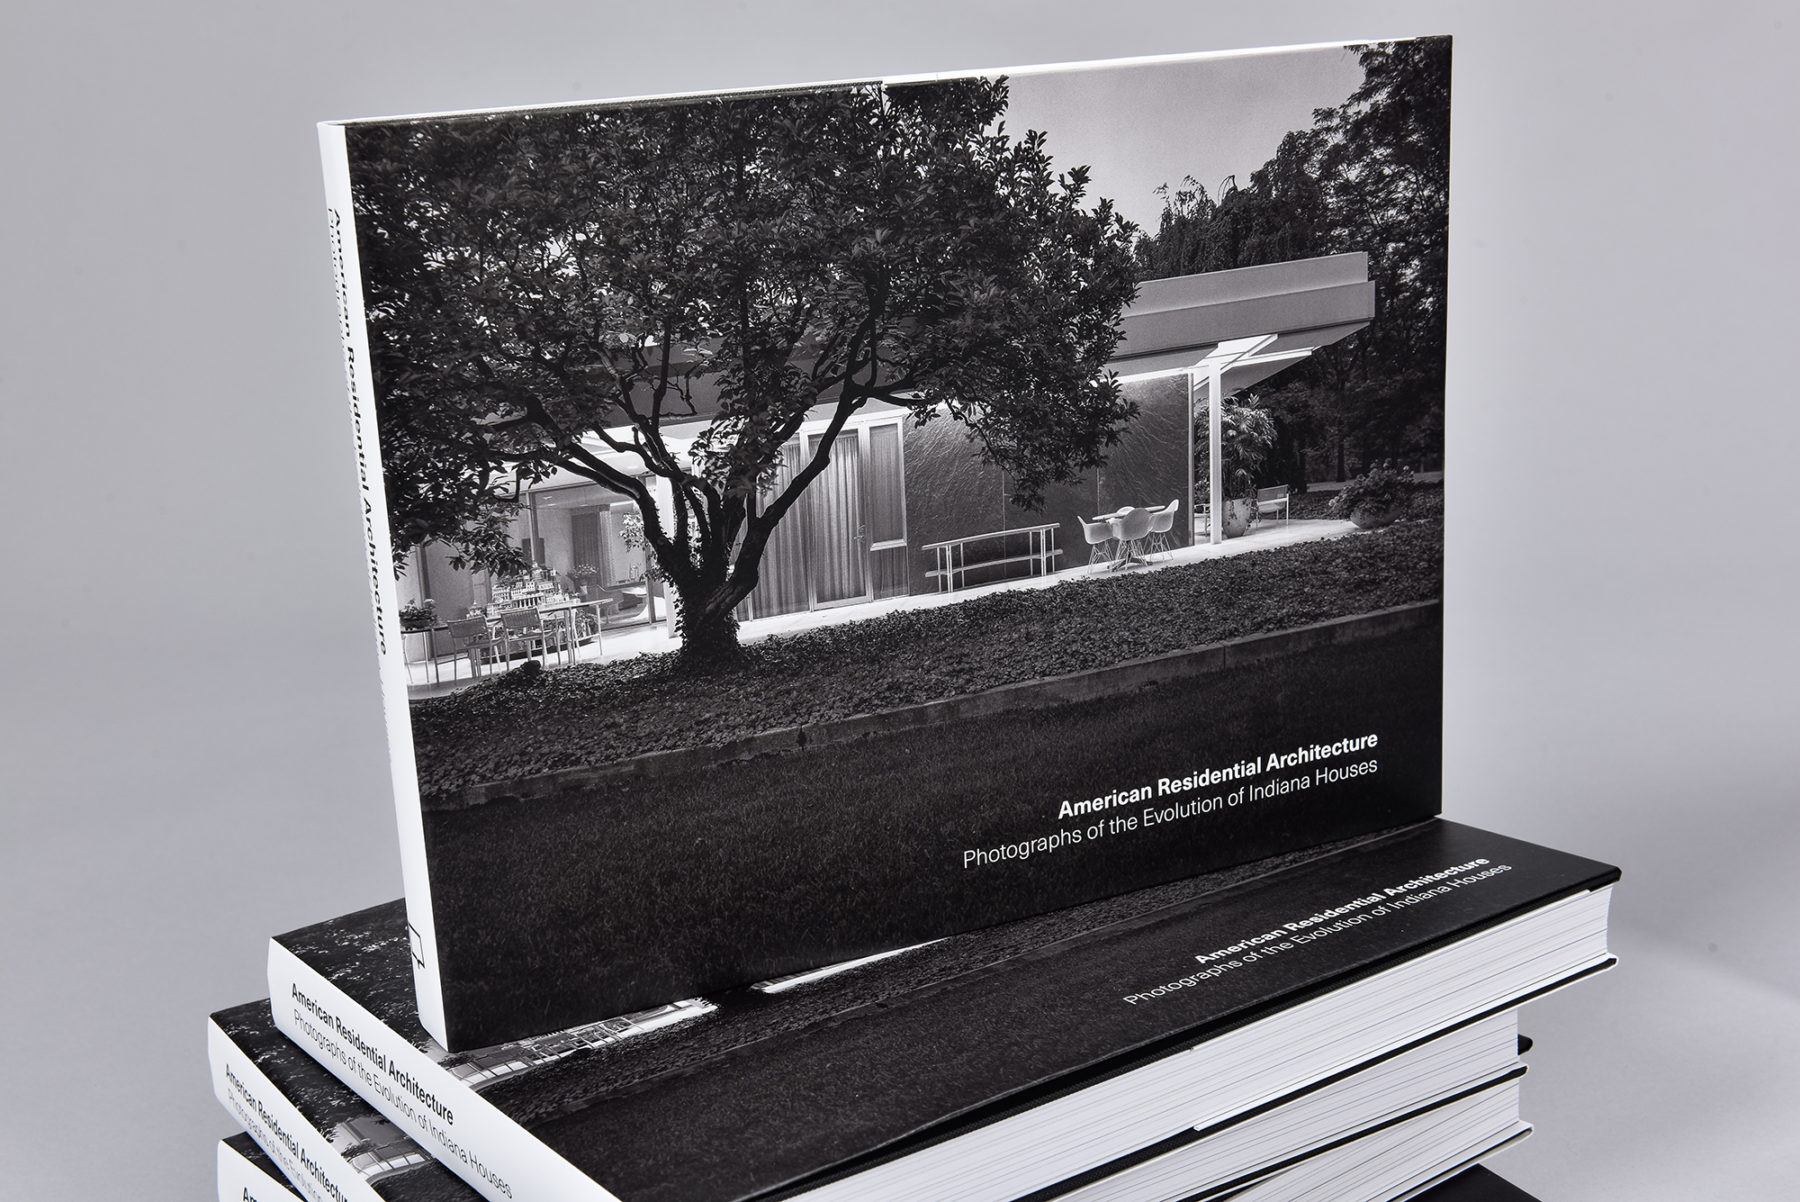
[(770, 1092), (1476, 1184), (244, 1146)]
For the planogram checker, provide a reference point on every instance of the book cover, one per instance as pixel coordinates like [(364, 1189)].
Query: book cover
[(1449, 1069), (246, 1174), (1476, 1184), (340, 1145), (1401, 1162), (899, 1073), (808, 522)]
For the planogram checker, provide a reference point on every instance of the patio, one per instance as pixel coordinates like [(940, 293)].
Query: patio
[(626, 642)]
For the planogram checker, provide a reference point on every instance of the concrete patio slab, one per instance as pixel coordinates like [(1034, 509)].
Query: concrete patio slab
[(631, 641)]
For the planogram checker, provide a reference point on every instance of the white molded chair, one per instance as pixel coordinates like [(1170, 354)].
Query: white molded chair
[(1098, 534), (1162, 524), (1132, 528)]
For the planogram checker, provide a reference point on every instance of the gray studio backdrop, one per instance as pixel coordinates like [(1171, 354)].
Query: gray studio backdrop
[(192, 745)]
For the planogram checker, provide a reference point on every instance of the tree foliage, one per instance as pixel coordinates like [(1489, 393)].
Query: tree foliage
[(1373, 175), (562, 290)]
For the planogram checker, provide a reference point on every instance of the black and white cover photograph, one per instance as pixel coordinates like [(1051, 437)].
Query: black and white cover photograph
[(730, 591), (829, 518)]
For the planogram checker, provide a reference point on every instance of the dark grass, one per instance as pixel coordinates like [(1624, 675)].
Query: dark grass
[(783, 862), (598, 714)]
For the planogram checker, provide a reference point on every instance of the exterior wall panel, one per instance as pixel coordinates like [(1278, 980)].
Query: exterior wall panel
[(950, 493), (1148, 467)]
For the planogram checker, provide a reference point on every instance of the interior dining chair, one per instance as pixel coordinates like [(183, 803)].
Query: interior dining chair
[(559, 633), (472, 640), (521, 629)]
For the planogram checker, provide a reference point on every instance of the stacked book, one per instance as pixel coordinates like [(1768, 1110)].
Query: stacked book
[(977, 898), (1327, 1025)]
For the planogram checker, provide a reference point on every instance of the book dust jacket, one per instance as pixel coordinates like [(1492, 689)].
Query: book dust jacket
[(808, 522)]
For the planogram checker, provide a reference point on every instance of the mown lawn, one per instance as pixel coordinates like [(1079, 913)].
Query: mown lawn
[(597, 714), (638, 889)]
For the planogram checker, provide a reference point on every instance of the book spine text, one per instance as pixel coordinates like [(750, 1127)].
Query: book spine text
[(383, 588), (242, 1181), (465, 1132), (301, 1151)]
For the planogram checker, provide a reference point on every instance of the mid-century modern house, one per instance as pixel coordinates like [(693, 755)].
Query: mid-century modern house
[(376, 1147), (870, 524)]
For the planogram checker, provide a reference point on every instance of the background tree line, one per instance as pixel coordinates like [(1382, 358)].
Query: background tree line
[(1373, 175)]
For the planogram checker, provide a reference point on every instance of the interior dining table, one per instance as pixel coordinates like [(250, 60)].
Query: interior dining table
[(571, 645)]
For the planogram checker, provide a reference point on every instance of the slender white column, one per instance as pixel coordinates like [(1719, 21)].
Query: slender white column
[(1193, 514), (1215, 437)]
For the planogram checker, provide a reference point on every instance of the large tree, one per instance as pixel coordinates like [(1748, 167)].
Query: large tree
[(1371, 175), (565, 289)]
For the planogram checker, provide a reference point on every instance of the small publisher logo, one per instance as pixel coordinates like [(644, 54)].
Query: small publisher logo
[(418, 945)]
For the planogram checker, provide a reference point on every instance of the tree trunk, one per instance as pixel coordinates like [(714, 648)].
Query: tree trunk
[(707, 621)]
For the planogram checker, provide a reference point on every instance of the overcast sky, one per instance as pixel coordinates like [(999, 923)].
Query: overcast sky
[(1144, 125)]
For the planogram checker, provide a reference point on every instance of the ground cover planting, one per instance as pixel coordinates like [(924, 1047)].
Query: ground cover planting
[(503, 729)]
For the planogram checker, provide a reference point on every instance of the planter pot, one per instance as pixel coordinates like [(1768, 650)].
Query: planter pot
[(1372, 517), (416, 650), (1238, 516)]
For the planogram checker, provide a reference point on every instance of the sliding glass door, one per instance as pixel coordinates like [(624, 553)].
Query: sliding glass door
[(837, 537), (847, 535)]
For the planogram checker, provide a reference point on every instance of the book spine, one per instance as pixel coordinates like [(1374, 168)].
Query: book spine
[(465, 1132), (241, 1180), (298, 1148), (383, 588)]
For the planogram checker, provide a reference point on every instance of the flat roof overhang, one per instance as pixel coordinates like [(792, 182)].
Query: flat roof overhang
[(1245, 324), (1290, 309)]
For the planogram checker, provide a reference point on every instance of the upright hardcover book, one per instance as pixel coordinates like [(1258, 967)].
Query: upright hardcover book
[(809, 522), (984, 1067)]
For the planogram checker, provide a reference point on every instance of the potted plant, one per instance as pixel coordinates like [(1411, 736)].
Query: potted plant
[(1247, 434), (417, 618), (1375, 498), (585, 578)]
